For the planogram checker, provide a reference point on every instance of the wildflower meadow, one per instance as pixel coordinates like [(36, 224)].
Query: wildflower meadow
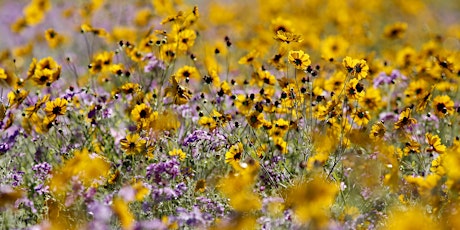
[(259, 114)]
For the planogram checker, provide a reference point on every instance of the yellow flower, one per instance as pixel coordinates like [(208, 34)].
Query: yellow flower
[(33, 109), (180, 94), (414, 218), (53, 38), (186, 73), (88, 168), (355, 67), (311, 200), (234, 154), (279, 128), (208, 122), (395, 30), (354, 89), (280, 144), (411, 147), (121, 209), (299, 59), (132, 144), (249, 58), (443, 106), (244, 103), (141, 113), (179, 153), (371, 99), (2, 74), (142, 17), (45, 71), (333, 47), (405, 119), (435, 143), (200, 185), (361, 117), (55, 108), (255, 119), (186, 39), (377, 131), (285, 36), (141, 190), (35, 11), (168, 52), (101, 62)]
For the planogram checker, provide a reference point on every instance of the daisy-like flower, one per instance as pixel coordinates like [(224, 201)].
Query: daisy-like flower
[(443, 106), (179, 94), (141, 113), (55, 108), (179, 153), (395, 30), (186, 39), (234, 154), (130, 88), (377, 131), (45, 71), (355, 67), (333, 47), (33, 109), (186, 73), (299, 59), (286, 36), (411, 147), (53, 38), (361, 117), (405, 119), (354, 89), (435, 143), (255, 119), (132, 144), (249, 58)]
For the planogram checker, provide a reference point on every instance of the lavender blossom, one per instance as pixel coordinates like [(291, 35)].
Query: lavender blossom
[(383, 78), (41, 189), (42, 170), (163, 172), (153, 63)]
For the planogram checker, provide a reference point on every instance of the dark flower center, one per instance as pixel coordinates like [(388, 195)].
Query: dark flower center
[(297, 61), (143, 114), (57, 110), (441, 107)]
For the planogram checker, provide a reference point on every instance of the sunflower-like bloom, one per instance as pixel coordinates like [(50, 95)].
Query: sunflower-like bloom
[(361, 117), (299, 59), (355, 67), (443, 106), (405, 119), (44, 72), (435, 143), (234, 154), (132, 144), (55, 108)]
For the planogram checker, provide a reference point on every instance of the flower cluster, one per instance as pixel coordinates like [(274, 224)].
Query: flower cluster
[(229, 114)]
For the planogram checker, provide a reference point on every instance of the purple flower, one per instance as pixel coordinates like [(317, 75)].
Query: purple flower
[(153, 63), (163, 172), (17, 178), (101, 215), (383, 78), (4, 147), (150, 224), (42, 170), (192, 218), (42, 189)]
